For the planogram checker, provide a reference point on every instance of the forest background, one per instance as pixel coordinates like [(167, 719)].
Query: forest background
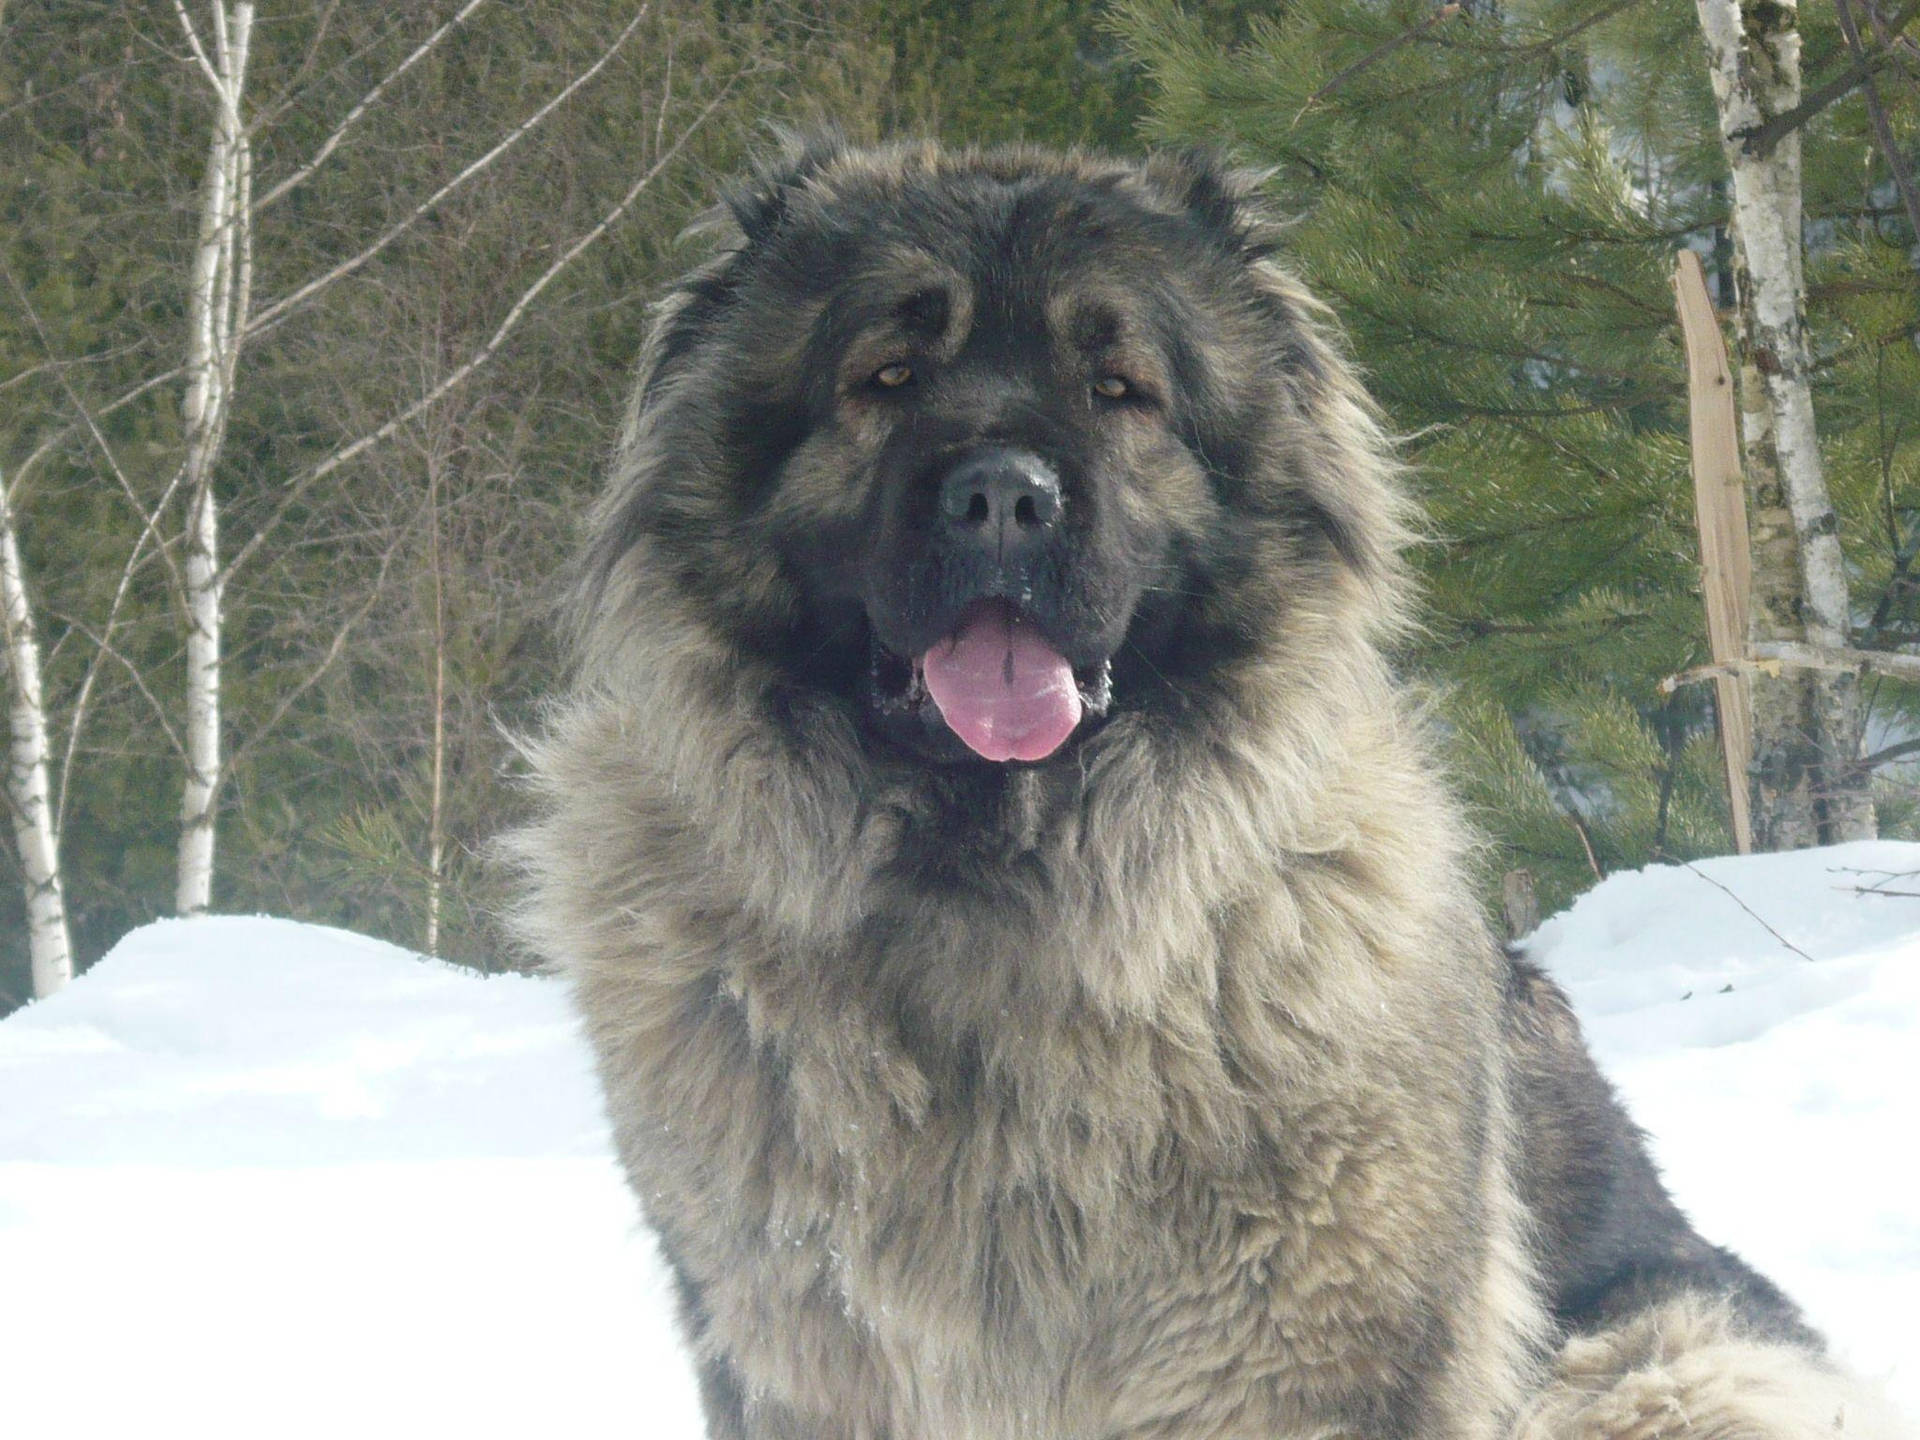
[(459, 212)]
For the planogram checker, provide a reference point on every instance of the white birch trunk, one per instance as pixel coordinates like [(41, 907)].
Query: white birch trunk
[(436, 824), (49, 946), (1753, 53), (217, 304), (1785, 766)]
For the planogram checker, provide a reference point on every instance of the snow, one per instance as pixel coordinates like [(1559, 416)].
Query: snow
[(267, 1179), (262, 1178), (1779, 1074)]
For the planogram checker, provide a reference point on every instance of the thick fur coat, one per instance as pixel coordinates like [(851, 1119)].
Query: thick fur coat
[(1169, 1086)]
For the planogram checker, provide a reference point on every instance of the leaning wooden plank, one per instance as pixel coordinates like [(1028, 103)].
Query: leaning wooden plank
[(1720, 511)]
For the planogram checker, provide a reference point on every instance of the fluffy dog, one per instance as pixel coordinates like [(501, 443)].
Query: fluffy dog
[(1027, 946)]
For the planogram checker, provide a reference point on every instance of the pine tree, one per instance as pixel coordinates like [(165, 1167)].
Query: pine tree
[(1490, 197)]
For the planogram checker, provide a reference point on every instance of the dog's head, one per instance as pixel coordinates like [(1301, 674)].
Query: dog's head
[(987, 449)]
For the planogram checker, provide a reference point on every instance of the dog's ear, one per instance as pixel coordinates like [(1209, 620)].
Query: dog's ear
[(761, 201), (1222, 198)]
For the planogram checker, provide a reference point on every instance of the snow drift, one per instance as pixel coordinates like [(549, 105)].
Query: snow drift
[(261, 1178)]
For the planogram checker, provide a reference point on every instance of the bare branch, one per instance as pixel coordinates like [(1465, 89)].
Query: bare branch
[(267, 112), (486, 352), (365, 102), (223, 51), (199, 52), (99, 357), (1688, 864), (666, 98), (241, 296), (269, 314), (60, 436), (106, 647), (1890, 754), (76, 721), (1760, 139), (1879, 886), (149, 520), (1877, 114), (1769, 657), (1887, 33), (1838, 660), (1586, 842), (334, 651)]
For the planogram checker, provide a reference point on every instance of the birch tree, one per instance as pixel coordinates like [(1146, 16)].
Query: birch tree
[(437, 751), (218, 300), (29, 796), (205, 390), (1808, 782), (221, 319)]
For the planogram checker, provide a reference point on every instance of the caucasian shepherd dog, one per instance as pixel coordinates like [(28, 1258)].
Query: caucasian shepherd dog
[(1029, 953)]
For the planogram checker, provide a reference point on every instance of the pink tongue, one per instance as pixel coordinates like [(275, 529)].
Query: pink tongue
[(1000, 687)]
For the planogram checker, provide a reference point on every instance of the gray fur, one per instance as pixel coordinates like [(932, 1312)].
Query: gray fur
[(1170, 1089)]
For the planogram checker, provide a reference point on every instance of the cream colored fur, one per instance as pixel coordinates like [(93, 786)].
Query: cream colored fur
[(1686, 1370), (1272, 1006)]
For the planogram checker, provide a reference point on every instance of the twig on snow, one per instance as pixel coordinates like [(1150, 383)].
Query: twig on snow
[(1750, 910)]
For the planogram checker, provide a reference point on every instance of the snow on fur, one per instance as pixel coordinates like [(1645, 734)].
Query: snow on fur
[(266, 1178)]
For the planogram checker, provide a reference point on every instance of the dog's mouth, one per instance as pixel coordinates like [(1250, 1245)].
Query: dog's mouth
[(995, 683)]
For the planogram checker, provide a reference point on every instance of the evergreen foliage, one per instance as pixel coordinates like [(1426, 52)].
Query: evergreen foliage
[(1490, 198)]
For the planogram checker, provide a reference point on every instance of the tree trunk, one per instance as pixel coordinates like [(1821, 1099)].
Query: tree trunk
[(1785, 754), (436, 823), (217, 315), (1807, 782), (49, 946)]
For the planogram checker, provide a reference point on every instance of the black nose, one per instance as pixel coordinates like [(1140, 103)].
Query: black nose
[(1000, 501)]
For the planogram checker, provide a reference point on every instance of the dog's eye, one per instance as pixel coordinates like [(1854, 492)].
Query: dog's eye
[(892, 377), (1112, 387)]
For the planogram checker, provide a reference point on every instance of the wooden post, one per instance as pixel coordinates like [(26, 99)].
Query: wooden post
[(1720, 512)]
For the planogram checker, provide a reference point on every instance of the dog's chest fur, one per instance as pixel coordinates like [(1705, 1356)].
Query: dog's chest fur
[(930, 1157)]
